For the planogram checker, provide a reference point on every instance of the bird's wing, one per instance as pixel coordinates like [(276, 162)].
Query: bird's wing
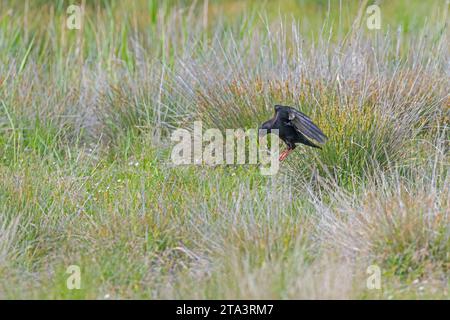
[(303, 124)]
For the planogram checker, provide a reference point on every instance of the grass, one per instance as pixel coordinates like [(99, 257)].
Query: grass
[(85, 171)]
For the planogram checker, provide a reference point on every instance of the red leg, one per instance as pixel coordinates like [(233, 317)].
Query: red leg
[(284, 154), (288, 153)]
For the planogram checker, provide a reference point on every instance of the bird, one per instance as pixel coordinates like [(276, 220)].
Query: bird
[(293, 127)]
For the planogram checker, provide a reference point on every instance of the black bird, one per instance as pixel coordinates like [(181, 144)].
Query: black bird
[(293, 127)]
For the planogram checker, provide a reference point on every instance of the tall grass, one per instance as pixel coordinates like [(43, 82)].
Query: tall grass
[(85, 119)]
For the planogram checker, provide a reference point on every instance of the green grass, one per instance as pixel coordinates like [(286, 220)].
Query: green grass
[(85, 171)]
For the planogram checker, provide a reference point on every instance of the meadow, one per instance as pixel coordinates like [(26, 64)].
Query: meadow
[(86, 178)]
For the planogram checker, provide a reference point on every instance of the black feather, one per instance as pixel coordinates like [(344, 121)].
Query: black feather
[(304, 125)]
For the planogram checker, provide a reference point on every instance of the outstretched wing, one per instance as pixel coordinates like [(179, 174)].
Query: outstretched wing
[(303, 124)]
